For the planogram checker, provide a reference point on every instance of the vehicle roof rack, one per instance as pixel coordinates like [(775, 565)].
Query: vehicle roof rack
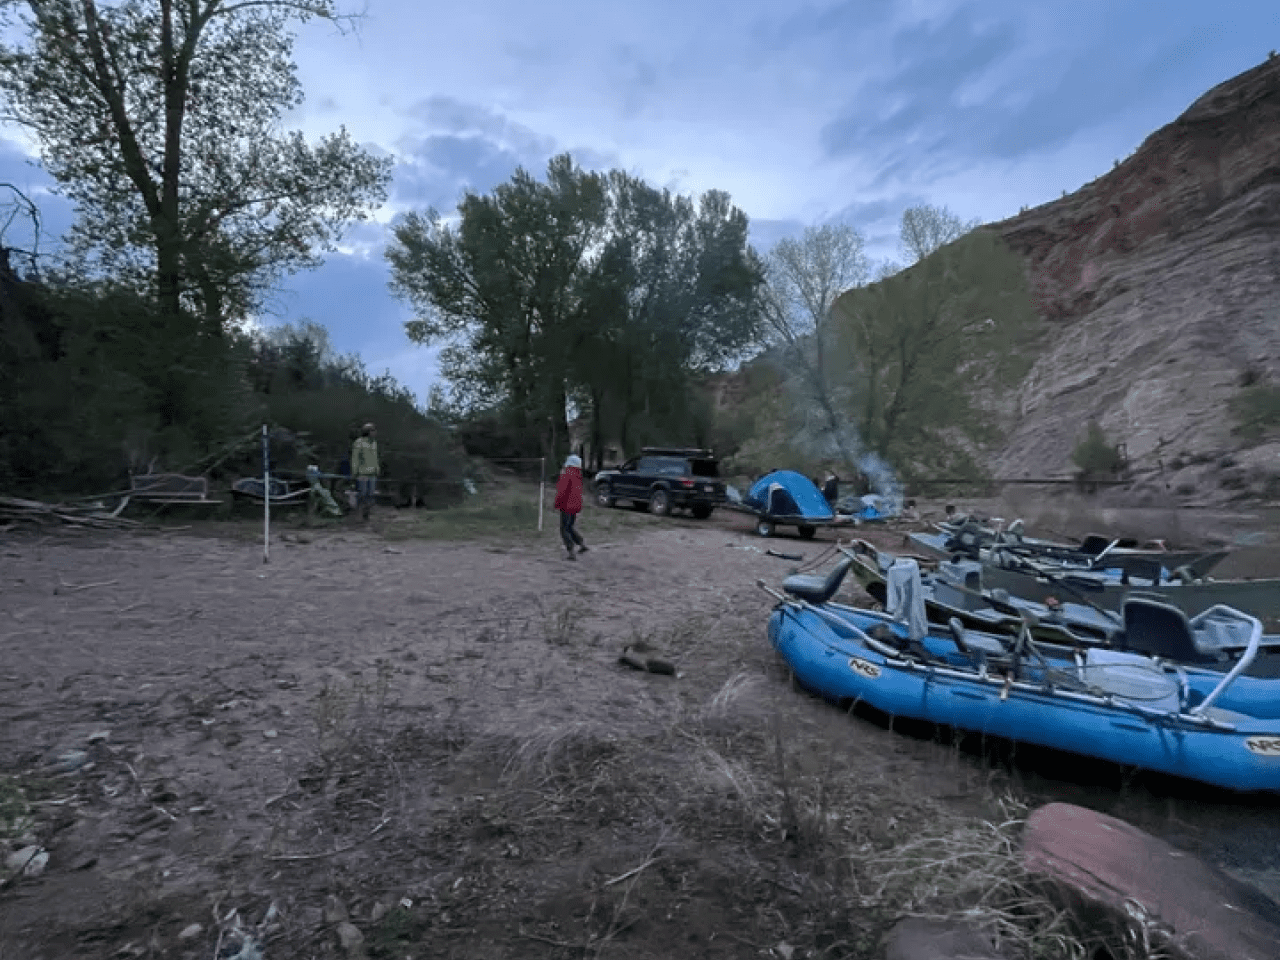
[(676, 451)]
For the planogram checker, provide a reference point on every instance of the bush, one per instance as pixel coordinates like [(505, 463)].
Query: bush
[(1256, 409), (95, 383), (1095, 455)]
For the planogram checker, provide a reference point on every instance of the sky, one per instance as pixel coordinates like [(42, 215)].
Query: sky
[(804, 111)]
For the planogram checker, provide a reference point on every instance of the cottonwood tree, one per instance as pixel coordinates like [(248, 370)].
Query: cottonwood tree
[(925, 343), (160, 120), (591, 289), (673, 296), (805, 277), (501, 289), (927, 228)]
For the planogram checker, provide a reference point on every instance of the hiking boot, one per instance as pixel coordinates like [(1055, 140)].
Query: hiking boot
[(570, 556), (582, 548)]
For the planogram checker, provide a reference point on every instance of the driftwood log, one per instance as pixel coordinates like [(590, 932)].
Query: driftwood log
[(37, 512), (637, 658)]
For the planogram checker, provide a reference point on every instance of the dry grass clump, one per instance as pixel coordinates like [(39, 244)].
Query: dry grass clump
[(754, 810)]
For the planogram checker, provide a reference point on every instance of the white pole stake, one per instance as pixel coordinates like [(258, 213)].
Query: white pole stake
[(266, 496), (542, 491)]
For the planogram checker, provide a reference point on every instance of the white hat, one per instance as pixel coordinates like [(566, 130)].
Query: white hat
[(573, 461)]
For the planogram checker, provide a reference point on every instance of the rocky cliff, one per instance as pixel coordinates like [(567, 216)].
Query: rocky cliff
[(1161, 285)]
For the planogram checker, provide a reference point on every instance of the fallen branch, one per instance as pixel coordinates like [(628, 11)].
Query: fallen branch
[(564, 944), (294, 857), (634, 871), (15, 509), (73, 588)]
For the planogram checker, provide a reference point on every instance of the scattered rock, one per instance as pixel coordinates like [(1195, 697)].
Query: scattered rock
[(351, 939), (628, 659), (193, 930), (69, 761), (392, 550), (30, 860), (98, 736), (270, 734), (785, 950), (918, 939), (335, 911), (380, 910), (1114, 876)]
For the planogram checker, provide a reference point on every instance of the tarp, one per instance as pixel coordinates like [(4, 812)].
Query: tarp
[(787, 494)]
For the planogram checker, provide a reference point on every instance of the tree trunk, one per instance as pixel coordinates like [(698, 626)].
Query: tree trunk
[(165, 224), (597, 430)]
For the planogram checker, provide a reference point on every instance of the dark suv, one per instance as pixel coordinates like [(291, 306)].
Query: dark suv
[(665, 479)]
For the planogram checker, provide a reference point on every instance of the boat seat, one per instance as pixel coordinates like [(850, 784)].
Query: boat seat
[(815, 589), (1160, 629), (968, 642)]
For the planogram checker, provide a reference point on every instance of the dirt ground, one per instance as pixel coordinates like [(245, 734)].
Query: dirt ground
[(384, 746)]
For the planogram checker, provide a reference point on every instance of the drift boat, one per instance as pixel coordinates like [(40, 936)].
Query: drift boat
[(1123, 707), (1095, 552), (1146, 623), (1107, 586)]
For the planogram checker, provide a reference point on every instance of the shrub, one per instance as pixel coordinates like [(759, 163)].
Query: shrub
[(1256, 409), (1095, 455)]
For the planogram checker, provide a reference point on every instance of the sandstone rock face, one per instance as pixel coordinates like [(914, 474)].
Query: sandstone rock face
[(1161, 282)]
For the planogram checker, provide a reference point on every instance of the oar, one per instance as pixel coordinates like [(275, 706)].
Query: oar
[(1079, 594)]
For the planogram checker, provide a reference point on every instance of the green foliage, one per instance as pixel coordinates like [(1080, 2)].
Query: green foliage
[(1256, 409), (161, 122), (15, 811), (97, 383), (920, 345), (1095, 455), (94, 383), (590, 289), (325, 398)]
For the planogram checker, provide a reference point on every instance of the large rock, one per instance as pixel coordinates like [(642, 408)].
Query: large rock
[(1117, 877)]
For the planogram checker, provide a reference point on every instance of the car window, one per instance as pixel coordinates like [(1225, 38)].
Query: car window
[(672, 468), (705, 468), (662, 466), (629, 465)]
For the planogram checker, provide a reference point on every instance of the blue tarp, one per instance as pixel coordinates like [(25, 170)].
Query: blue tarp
[(785, 493)]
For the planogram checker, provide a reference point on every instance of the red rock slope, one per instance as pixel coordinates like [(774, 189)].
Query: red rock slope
[(1162, 282)]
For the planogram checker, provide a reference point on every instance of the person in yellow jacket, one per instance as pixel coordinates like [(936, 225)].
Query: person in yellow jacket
[(364, 467)]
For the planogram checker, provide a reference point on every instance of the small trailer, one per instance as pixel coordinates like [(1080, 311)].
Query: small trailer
[(785, 498)]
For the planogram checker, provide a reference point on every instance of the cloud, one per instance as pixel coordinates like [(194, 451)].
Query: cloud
[(439, 168), (444, 114), (911, 112), (987, 85), (453, 146)]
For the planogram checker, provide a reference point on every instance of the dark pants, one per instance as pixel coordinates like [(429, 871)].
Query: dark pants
[(367, 488), (569, 535)]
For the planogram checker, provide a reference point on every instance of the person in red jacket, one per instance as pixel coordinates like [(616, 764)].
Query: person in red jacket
[(569, 503)]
